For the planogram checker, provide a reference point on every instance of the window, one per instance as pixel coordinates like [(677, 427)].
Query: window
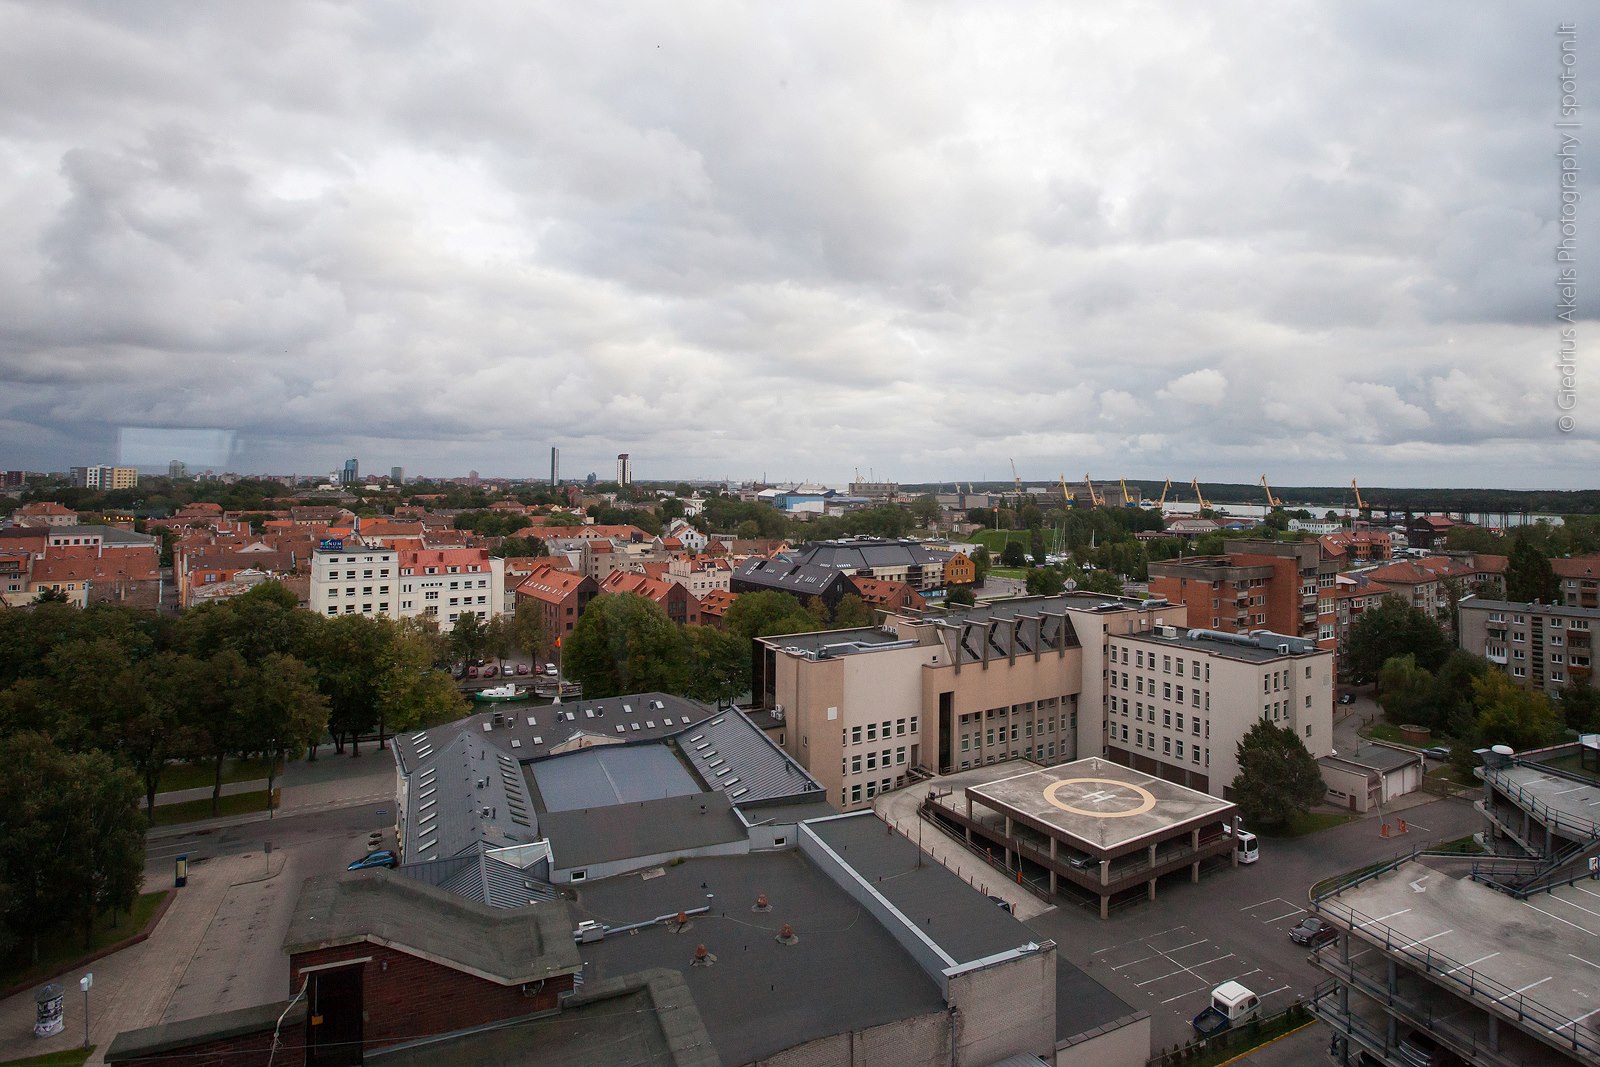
[(1180, 748), (855, 764), (578, 876), (1308, 728), (1166, 745), (872, 731), (899, 755), (855, 794), (900, 727), (855, 735), (1139, 738), (914, 719), (872, 761)]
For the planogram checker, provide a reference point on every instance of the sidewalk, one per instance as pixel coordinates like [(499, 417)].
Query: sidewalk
[(133, 987), (332, 781), (203, 792)]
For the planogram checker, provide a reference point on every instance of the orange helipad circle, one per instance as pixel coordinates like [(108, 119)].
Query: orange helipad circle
[(1125, 792)]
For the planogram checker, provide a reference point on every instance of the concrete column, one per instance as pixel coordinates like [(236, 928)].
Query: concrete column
[(968, 831), (1105, 907), (1152, 855), (1008, 827), (1052, 848), (1194, 839), (1194, 871), (1494, 1032), (1151, 887), (1105, 872)]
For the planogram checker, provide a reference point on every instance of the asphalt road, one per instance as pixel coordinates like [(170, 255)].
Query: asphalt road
[(1165, 957)]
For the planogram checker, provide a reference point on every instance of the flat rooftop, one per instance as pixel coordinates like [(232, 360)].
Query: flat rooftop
[(1577, 803), (812, 642), (1545, 950), (845, 973), (1097, 805), (1231, 649), (610, 774)]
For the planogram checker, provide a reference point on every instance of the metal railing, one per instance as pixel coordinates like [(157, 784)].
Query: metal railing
[(1528, 802), (1454, 975)]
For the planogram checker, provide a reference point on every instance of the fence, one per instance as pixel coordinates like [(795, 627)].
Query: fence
[(1235, 1041)]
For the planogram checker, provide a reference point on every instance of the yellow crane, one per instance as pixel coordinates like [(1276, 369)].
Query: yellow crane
[(1199, 496), (1272, 501), (1017, 481), (1095, 499), (1361, 505), (1127, 498), (1066, 494), (1158, 505)]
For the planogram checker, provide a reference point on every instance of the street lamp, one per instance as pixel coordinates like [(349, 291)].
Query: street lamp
[(85, 983)]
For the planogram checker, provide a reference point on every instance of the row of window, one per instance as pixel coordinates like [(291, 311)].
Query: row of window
[(1140, 683), (873, 730), (853, 794), (1139, 712), (1146, 739), (1045, 751), (1142, 659), (1553, 623), (889, 757)]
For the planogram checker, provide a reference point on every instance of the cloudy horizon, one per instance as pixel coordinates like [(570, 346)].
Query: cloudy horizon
[(731, 240)]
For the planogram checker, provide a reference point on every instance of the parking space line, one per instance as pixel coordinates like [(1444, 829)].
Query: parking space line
[(1580, 907), (1574, 789), (1480, 959), (1285, 915), (1416, 826), (1269, 992), (1430, 937), (1380, 918), (1130, 963), (1210, 961), (1180, 996), (1169, 974), (1591, 963), (1180, 948), (1559, 919), (1137, 940), (1580, 889), (1524, 989), (1574, 1022), (1258, 903)]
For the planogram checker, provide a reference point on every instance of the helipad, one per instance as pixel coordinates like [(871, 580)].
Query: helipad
[(1102, 807)]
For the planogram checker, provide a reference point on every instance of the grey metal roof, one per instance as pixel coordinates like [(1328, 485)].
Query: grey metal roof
[(798, 578), (527, 732), (464, 792), (845, 974), (504, 945), (867, 554), (651, 828), (610, 774), (487, 875), (731, 753)]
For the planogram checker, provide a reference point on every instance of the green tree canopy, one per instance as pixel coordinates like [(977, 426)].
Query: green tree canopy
[(1045, 581), (1511, 715), (1406, 691), (852, 611), (1529, 576), (961, 596), (1013, 555), (624, 643), (720, 671), (1278, 781), (1393, 628), (767, 613)]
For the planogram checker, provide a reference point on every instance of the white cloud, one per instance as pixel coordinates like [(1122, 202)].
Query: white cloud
[(1206, 388)]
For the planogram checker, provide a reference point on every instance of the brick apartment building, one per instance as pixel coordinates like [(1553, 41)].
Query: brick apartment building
[(1541, 646), (1283, 586), (1578, 580), (561, 597)]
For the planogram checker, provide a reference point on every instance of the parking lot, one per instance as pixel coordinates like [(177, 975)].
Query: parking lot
[(1173, 971)]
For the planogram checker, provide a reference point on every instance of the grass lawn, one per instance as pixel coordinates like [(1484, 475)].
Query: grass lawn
[(1382, 731), (72, 1057), (1019, 573), (67, 945), (196, 775), (193, 810), (1309, 823), (1446, 773), (996, 539)]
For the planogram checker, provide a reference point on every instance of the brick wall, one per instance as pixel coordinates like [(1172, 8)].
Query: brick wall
[(406, 996), (920, 1039)]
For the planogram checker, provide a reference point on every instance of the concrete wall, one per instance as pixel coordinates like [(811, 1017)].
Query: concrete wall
[(1124, 1043), (921, 1039), (1005, 1009), (593, 872)]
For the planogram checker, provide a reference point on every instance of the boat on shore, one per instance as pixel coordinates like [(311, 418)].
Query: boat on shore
[(502, 694)]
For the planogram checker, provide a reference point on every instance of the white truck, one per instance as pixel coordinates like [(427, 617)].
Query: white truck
[(1231, 1004)]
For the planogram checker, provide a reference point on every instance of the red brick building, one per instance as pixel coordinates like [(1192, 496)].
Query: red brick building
[(561, 595)]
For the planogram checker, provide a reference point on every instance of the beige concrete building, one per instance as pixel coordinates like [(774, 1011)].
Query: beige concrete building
[(1179, 701), (865, 710), (1541, 646)]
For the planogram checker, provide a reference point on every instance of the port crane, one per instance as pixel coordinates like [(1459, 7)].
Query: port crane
[(1017, 481), (1095, 499), (1127, 498), (1199, 496), (1272, 501), (1067, 498), (1158, 505), (1361, 505)]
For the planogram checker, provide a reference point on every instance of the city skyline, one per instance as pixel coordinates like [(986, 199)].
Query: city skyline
[(732, 240)]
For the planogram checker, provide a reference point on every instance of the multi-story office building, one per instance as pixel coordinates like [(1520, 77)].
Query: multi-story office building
[(1541, 646), (624, 469), (864, 708), (347, 578), (1284, 586), (103, 477), (1178, 702), (351, 473)]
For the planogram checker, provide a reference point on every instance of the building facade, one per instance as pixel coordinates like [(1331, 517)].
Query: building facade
[(104, 477), (1284, 586), (1541, 646)]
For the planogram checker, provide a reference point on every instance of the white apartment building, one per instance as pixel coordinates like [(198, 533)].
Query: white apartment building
[(699, 579), (1179, 701), (348, 579)]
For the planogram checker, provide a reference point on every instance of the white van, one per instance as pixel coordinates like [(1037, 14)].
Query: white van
[(1247, 848)]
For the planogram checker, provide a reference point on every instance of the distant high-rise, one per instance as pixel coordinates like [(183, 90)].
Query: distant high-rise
[(104, 477), (352, 472), (624, 469), (177, 470), (555, 465), (397, 475)]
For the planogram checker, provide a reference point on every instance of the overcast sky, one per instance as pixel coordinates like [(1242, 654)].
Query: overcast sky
[(1310, 240)]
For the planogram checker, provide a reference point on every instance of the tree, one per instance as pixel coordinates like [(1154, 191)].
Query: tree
[(961, 596), (1045, 581), (528, 633), (468, 638), (926, 509), (852, 611), (154, 722), (216, 687), (281, 713), (980, 564), (721, 665), (1278, 781), (1393, 628), (1529, 576), (1511, 715), (1454, 710), (1407, 691), (1101, 581), (1579, 705), (350, 658), (767, 613), (1013, 555), (520, 546), (624, 643)]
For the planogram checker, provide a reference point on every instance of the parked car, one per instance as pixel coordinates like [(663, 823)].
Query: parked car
[(1000, 902), (1313, 932), (1420, 1049), (1438, 752), (488, 672), (1348, 698), (522, 668), (472, 672), (381, 858), (1231, 1004), (458, 671), (550, 669)]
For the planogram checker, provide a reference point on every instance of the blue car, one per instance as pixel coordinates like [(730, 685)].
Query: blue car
[(383, 858)]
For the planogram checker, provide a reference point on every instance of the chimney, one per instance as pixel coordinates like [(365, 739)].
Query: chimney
[(787, 936), (761, 903)]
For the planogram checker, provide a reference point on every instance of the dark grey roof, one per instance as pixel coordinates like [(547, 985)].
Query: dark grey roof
[(1476, 603), (647, 1019), (800, 579), (787, 812), (1376, 757), (629, 831), (845, 974), (504, 945), (1083, 1004), (733, 755), (1029, 606), (864, 554), (610, 774), (558, 728), (168, 1037), (1250, 648), (499, 877), (961, 920), (450, 788), (811, 642)]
